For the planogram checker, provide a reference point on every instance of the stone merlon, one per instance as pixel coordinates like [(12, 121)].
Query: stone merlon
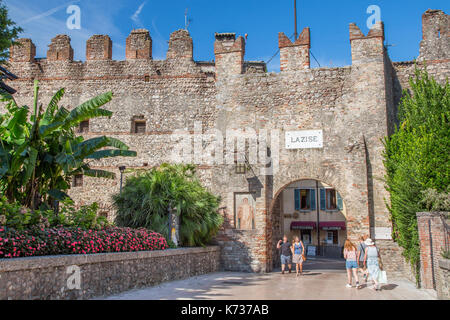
[(435, 43), (99, 47), (139, 45), (60, 49), (180, 45)]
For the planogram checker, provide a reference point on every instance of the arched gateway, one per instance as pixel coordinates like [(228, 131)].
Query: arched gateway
[(315, 212)]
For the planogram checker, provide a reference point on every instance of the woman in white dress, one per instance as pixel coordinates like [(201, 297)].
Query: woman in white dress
[(371, 262)]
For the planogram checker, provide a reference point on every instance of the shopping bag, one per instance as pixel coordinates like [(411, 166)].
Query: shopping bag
[(382, 277)]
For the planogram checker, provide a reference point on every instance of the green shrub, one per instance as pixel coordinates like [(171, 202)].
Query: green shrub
[(436, 201), (146, 197), (85, 217), (20, 218)]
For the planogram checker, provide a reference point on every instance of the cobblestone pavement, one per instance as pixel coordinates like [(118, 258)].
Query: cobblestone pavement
[(322, 280)]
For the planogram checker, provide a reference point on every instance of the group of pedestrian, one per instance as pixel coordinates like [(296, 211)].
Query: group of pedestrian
[(364, 258), (292, 253)]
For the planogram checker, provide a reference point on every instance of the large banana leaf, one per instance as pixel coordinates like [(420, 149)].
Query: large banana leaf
[(58, 194), (52, 106), (87, 110), (61, 114), (99, 174), (45, 130), (30, 164)]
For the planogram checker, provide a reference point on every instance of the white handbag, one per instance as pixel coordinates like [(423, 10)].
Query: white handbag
[(382, 277)]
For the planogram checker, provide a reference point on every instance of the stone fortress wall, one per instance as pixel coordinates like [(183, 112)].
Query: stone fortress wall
[(355, 106)]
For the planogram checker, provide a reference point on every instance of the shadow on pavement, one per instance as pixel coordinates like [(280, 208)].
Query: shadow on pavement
[(389, 286)]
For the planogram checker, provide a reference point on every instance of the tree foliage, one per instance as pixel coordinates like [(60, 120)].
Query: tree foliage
[(9, 31), (417, 157), (146, 197), (41, 152)]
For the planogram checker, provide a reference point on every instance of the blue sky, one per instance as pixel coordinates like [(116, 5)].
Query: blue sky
[(261, 20)]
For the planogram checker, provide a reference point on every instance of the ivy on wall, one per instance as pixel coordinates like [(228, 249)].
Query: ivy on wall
[(417, 157)]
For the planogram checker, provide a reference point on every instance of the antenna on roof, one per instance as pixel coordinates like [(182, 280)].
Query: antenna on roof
[(187, 21), (295, 21)]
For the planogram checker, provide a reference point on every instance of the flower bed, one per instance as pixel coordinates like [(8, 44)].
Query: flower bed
[(62, 240)]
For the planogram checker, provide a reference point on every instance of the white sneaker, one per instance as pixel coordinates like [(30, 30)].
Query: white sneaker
[(349, 286)]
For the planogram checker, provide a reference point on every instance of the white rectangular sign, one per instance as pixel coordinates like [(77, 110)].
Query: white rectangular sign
[(308, 139), (383, 233)]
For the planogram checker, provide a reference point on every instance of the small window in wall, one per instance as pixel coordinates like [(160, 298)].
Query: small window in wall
[(139, 126), (240, 168), (78, 180), (305, 199), (83, 127), (330, 200)]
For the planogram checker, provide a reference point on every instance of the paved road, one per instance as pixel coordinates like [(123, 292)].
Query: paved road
[(323, 280)]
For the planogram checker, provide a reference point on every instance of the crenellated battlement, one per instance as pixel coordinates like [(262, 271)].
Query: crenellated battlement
[(229, 51)]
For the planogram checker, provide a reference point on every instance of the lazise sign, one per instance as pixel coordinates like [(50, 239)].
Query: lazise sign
[(307, 139)]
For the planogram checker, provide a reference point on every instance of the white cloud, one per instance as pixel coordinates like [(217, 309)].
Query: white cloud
[(47, 13), (135, 16)]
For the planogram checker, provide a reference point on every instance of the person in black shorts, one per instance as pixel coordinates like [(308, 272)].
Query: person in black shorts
[(286, 254)]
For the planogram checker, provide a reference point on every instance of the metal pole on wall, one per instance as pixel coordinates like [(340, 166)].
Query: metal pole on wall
[(295, 20), (318, 217), (170, 221), (431, 255), (121, 169)]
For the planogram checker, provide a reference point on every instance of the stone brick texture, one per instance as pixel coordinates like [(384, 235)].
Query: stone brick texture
[(434, 237), (45, 278), (443, 288), (355, 106)]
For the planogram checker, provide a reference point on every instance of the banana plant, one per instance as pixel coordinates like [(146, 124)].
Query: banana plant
[(40, 153)]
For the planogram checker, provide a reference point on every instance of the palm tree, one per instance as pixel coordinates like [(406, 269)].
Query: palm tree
[(147, 196), (40, 156)]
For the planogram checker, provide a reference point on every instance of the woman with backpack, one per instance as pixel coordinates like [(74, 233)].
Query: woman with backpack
[(361, 252)]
